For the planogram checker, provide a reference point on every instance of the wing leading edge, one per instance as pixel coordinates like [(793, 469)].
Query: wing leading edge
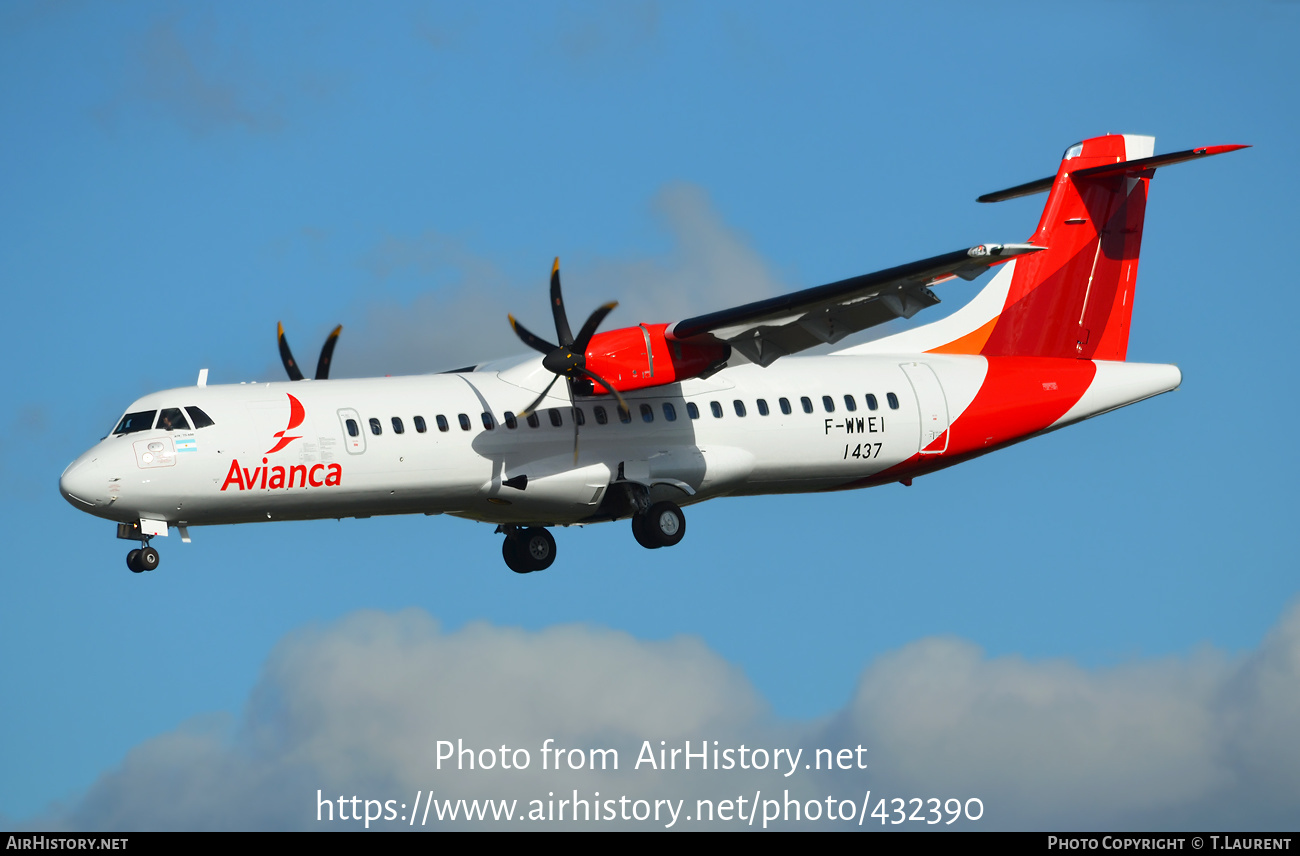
[(766, 330)]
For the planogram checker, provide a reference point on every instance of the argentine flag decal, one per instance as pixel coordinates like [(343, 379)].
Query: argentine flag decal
[(189, 444)]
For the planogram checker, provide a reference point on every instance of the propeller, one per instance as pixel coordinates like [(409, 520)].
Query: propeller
[(568, 359), (322, 365)]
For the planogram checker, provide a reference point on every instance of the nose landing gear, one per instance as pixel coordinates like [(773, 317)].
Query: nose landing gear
[(144, 559)]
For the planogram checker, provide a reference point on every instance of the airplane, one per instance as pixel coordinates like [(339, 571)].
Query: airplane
[(658, 416)]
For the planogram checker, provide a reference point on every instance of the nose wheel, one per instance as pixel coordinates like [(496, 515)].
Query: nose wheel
[(144, 559), (661, 525), (528, 550)]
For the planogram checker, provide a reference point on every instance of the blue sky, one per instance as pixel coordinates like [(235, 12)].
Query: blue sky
[(178, 177)]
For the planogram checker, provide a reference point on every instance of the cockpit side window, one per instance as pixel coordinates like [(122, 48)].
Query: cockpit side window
[(141, 420), (199, 418), (172, 419)]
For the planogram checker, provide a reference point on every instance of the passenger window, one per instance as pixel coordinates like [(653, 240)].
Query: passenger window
[(762, 407), (871, 401), (375, 427), (716, 408), (420, 425), (398, 427), (692, 410), (488, 424), (647, 413), (556, 419), (442, 422), (579, 417), (602, 418), (133, 422), (172, 419), (624, 415), (199, 418), (354, 430), (534, 420), (511, 422), (850, 403), (807, 404), (785, 406), (828, 403), (670, 412), (464, 421), (893, 401), (740, 407)]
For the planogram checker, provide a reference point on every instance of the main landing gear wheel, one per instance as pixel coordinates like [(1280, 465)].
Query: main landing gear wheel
[(641, 535), (663, 525), (528, 551)]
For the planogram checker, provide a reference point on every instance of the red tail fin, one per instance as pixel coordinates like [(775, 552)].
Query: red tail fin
[(1075, 299)]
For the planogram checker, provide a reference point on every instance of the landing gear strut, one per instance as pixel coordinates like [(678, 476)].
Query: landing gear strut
[(661, 525), (528, 550)]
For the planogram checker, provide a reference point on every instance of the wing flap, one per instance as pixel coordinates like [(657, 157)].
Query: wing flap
[(769, 329)]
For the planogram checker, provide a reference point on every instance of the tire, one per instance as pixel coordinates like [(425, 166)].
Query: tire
[(510, 552), (665, 524), (536, 549), (642, 533), (133, 561), (148, 559)]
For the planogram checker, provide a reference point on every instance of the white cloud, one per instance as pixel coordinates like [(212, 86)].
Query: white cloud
[(358, 708), (708, 266)]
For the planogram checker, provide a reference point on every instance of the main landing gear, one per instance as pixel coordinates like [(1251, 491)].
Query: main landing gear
[(661, 525), (527, 550)]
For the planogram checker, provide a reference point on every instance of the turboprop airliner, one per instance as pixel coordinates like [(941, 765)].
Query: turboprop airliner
[(658, 416)]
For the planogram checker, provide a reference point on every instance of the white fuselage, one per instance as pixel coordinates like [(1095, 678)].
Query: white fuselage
[(241, 469)]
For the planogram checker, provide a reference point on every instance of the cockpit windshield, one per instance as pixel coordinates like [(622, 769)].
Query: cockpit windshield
[(132, 422), (201, 419), (172, 419)]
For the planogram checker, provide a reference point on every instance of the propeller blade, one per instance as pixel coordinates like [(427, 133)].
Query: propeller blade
[(327, 354), (589, 329), (528, 411), (575, 419), (530, 339), (622, 405), (286, 356), (557, 307)]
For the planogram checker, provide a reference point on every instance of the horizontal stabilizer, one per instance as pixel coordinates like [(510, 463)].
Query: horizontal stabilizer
[(1043, 185)]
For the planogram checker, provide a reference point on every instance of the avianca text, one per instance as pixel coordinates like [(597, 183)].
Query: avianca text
[(277, 478)]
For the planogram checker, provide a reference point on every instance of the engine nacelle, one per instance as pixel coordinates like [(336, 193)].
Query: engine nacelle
[(640, 357)]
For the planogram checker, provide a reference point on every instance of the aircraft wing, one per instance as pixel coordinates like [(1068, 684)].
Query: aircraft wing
[(768, 329)]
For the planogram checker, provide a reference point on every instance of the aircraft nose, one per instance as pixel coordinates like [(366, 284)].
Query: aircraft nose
[(82, 483)]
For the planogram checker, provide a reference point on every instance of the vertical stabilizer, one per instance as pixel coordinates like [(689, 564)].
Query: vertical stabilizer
[(1075, 299)]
